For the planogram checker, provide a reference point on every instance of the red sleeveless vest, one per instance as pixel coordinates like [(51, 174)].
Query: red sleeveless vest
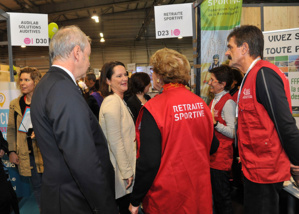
[(182, 184), (223, 158), (262, 156), (235, 96)]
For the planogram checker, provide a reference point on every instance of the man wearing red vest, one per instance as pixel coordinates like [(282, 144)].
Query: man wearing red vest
[(267, 135)]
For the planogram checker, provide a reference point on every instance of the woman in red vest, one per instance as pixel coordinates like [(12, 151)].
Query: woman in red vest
[(223, 109), (174, 134)]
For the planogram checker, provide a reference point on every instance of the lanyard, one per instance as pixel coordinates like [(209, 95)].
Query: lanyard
[(129, 109), (249, 69)]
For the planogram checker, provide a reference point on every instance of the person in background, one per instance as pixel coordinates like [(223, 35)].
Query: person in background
[(78, 173), (8, 197), (118, 126), (267, 133), (95, 98), (90, 81), (175, 139), (140, 84), (22, 145), (223, 110), (237, 80)]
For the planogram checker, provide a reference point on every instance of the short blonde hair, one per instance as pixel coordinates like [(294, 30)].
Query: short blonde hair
[(172, 66), (34, 73)]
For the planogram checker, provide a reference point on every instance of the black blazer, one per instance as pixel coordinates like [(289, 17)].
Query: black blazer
[(78, 175), (135, 104)]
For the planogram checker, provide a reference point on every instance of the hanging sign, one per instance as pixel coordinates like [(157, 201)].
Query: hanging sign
[(173, 21), (29, 29)]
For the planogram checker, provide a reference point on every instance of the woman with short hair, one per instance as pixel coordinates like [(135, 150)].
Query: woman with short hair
[(174, 135), (22, 146), (223, 109)]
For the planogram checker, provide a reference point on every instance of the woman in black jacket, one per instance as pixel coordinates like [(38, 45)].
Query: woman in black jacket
[(139, 86)]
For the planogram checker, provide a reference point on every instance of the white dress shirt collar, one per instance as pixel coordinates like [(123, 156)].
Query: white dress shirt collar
[(67, 71)]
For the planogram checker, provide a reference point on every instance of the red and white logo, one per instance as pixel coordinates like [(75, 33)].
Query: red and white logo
[(246, 93)]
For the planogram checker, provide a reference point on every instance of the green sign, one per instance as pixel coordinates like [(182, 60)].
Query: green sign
[(220, 14)]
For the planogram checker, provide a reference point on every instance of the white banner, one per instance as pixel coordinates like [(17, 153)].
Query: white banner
[(172, 21), (8, 92), (282, 49), (281, 42), (294, 86), (29, 29)]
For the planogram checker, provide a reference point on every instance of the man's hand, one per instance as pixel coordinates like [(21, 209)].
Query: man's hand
[(129, 182), (295, 173), (13, 158), (2, 153), (133, 210)]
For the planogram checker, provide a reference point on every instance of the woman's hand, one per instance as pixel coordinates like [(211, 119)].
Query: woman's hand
[(13, 158), (133, 210), (32, 135), (129, 182), (214, 121)]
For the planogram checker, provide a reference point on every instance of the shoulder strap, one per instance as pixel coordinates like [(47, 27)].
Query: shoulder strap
[(269, 99), (15, 116)]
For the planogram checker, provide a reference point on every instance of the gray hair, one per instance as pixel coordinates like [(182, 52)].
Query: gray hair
[(64, 41)]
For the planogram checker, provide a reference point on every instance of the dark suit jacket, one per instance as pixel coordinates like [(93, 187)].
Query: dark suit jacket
[(78, 176)]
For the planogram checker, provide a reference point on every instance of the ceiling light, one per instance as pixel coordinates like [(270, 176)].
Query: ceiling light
[(102, 39), (180, 37), (101, 35), (23, 46), (95, 17)]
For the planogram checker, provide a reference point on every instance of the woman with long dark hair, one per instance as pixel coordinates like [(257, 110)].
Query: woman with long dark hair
[(118, 126)]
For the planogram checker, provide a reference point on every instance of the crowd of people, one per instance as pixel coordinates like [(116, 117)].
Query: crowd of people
[(108, 147)]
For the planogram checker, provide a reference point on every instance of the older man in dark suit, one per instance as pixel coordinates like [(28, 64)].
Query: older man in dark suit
[(78, 176)]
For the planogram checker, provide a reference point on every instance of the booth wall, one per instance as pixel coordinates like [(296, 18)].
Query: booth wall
[(275, 18)]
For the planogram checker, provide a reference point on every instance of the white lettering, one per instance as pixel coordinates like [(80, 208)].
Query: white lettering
[(194, 106), (176, 117), (188, 111), (3, 118), (175, 108)]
